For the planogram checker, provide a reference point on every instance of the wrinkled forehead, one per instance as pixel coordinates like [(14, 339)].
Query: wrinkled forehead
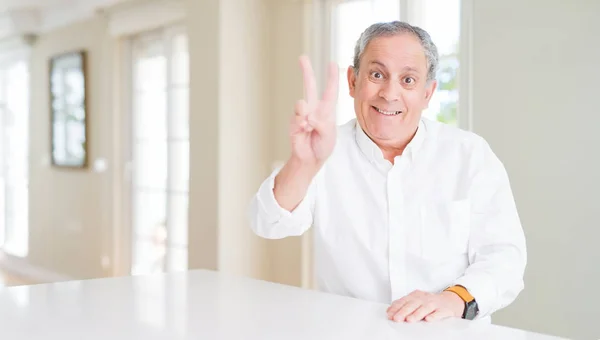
[(396, 52)]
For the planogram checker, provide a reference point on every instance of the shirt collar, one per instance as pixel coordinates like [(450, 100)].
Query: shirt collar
[(374, 154)]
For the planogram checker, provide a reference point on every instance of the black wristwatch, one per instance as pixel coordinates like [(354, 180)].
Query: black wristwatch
[(471, 309)]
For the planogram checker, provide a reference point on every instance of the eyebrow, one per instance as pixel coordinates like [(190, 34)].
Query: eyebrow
[(378, 63), (405, 68)]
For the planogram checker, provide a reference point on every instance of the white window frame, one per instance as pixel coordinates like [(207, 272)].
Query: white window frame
[(124, 21), (165, 35), (12, 51)]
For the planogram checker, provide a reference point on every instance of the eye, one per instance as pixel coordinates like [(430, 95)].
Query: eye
[(376, 75), (409, 80)]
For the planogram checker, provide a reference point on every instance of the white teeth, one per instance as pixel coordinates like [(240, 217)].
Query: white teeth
[(387, 113)]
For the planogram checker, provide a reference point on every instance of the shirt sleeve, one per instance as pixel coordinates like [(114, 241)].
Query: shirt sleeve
[(497, 249), (269, 220)]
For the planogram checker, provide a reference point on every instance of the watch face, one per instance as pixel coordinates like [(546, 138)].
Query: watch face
[(471, 310)]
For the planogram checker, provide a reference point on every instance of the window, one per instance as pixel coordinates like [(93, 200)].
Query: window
[(441, 18), (350, 19), (14, 169), (159, 152)]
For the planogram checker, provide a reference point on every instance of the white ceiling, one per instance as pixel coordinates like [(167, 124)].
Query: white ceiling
[(8, 5), (18, 17)]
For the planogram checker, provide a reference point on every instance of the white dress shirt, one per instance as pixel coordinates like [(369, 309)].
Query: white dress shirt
[(442, 214)]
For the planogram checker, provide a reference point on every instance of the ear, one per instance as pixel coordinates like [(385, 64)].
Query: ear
[(351, 80), (429, 91)]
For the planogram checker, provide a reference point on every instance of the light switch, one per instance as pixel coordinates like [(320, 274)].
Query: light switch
[(100, 165)]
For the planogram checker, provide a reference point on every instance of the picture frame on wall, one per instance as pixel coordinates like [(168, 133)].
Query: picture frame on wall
[(68, 106)]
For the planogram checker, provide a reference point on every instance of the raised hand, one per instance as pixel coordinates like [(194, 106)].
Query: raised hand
[(313, 127), (312, 133)]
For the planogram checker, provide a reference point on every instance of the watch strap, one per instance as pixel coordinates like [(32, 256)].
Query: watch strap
[(462, 292)]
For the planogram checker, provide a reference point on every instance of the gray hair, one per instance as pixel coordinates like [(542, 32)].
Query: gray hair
[(388, 29)]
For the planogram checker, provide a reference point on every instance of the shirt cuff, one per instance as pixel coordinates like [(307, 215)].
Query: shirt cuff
[(483, 289), (267, 202), (274, 213)]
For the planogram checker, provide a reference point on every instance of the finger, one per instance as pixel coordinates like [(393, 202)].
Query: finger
[(310, 83), (301, 108), (299, 124), (327, 107), (321, 125), (406, 310), (301, 116), (331, 89), (420, 313), (439, 314), (395, 306)]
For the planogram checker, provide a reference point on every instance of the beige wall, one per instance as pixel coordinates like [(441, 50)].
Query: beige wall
[(244, 72), (287, 36), (240, 108), (203, 25), (228, 153), (245, 81), (70, 210), (536, 101)]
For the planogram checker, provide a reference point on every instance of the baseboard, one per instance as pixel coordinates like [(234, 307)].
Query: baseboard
[(20, 267)]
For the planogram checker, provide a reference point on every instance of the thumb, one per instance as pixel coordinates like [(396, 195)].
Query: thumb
[(322, 125)]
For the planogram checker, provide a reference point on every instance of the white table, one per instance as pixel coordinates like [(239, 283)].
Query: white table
[(207, 305)]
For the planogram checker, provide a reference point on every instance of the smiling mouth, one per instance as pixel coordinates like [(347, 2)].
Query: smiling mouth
[(387, 113)]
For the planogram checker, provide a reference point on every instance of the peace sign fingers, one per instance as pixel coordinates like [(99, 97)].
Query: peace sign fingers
[(327, 107), (323, 109), (310, 83)]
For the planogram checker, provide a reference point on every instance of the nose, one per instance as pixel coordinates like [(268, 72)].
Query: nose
[(391, 91)]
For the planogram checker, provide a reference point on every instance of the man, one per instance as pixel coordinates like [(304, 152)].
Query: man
[(405, 210)]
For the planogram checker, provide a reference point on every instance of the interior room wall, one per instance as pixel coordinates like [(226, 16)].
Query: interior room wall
[(244, 113), (287, 35), (535, 83), (230, 105), (70, 209)]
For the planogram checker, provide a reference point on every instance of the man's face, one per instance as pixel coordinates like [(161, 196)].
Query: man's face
[(391, 88)]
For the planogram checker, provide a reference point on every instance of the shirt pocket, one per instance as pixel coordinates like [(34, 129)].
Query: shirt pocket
[(445, 229)]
